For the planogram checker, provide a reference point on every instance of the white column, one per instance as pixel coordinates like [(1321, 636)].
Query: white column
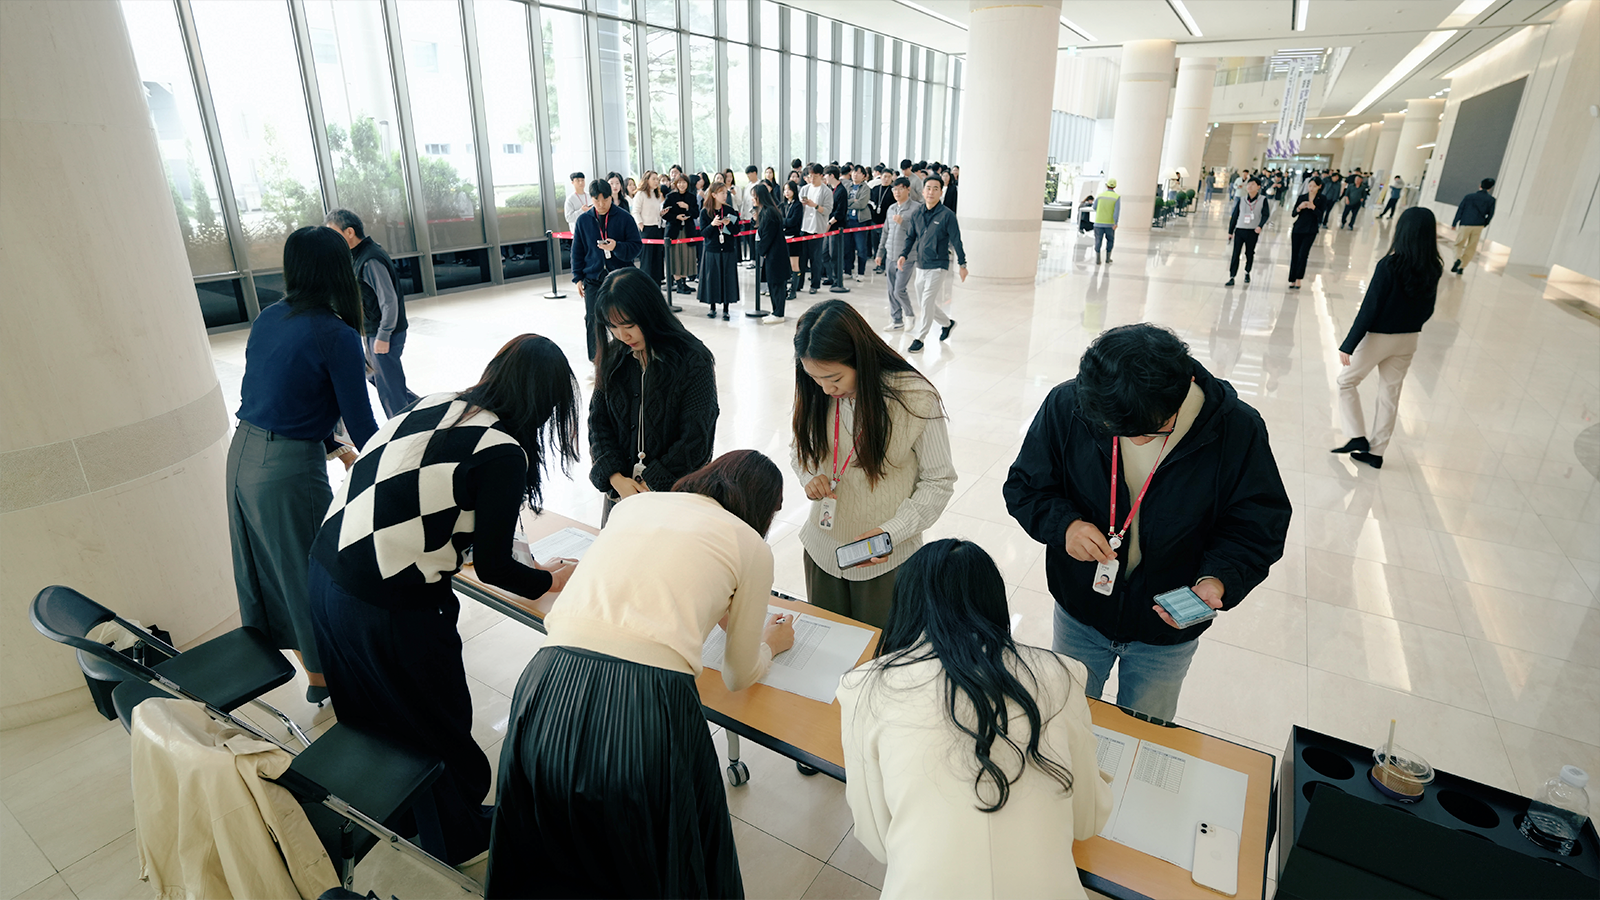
[(1005, 130), (1369, 145), (1347, 154), (1191, 110), (1141, 118), (112, 427), (1388, 143), (1244, 138), (1421, 127)]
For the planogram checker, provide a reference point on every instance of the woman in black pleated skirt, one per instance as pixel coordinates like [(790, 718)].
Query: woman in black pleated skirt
[(609, 783), (719, 262)]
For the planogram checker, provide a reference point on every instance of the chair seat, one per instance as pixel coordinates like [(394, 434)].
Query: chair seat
[(130, 694), (231, 670)]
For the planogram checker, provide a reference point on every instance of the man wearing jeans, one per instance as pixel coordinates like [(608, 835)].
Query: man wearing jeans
[(383, 311), (1198, 504), (930, 238)]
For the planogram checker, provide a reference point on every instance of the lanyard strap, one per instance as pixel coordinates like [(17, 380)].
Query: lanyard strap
[(1115, 457), (836, 469)]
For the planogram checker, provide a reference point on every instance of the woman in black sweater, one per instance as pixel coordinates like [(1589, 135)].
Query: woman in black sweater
[(653, 415), (794, 213), (771, 249), (719, 260), (1384, 335), (679, 211), (1309, 208)]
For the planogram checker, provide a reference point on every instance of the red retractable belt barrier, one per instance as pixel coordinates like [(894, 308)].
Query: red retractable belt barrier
[(694, 240)]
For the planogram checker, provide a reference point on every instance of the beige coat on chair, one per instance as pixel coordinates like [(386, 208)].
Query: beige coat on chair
[(209, 824)]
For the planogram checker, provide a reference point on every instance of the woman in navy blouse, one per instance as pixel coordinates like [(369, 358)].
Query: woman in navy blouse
[(303, 372)]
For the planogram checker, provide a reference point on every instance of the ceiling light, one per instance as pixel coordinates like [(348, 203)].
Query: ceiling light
[(1334, 128), (928, 12), (1076, 30), (1297, 14), (1182, 12), (1424, 146), (1464, 13)]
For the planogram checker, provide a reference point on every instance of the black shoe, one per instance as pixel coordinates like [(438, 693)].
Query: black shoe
[(826, 279), (725, 316), (712, 314), (813, 290), (1229, 284), (1371, 459), (1247, 278), (1455, 266), (316, 693), (838, 289), (916, 346), (1108, 257), (674, 307), (1353, 445), (945, 331)]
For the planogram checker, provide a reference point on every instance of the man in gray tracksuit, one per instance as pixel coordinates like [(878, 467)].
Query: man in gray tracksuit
[(893, 246)]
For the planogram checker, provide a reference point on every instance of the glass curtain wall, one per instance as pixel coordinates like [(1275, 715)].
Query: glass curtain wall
[(452, 128)]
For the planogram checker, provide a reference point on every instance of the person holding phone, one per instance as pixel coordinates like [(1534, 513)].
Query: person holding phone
[(964, 747), (609, 783), (1146, 474), (605, 240), (680, 210), (719, 261), (653, 414), (872, 450)]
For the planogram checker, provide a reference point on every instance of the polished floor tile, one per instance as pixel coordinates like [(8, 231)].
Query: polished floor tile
[(25, 864)]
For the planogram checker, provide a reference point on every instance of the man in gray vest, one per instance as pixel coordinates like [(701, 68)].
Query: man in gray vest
[(383, 311)]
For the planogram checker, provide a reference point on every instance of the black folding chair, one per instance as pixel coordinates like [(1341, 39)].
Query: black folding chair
[(224, 673)]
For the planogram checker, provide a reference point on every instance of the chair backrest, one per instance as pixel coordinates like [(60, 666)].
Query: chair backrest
[(65, 616)]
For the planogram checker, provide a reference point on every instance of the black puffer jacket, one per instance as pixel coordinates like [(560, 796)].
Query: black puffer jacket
[(1216, 507), (680, 417)]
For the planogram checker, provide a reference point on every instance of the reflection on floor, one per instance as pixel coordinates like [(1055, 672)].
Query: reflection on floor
[(1454, 590)]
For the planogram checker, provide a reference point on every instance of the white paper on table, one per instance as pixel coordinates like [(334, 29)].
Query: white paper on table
[(823, 651), (1114, 752), (1167, 794), (571, 543)]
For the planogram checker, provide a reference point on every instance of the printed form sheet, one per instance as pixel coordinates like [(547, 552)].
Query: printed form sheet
[(1159, 795), (823, 650), (571, 543)]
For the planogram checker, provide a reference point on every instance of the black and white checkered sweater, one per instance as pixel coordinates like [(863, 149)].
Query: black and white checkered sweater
[(402, 521)]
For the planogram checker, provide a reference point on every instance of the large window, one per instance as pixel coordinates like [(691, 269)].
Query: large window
[(738, 113), (441, 114), (567, 93), (358, 111), (261, 112), (847, 88), (164, 69), (514, 143), (891, 147), (824, 114), (703, 102), (771, 98), (735, 20), (619, 104), (702, 16), (661, 48), (800, 111)]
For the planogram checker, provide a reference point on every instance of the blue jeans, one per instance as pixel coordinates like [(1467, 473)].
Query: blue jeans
[(1106, 232), (388, 376), (1149, 676)]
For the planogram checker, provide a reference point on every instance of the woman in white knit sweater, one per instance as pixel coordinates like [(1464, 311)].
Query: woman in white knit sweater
[(971, 758), (871, 448)]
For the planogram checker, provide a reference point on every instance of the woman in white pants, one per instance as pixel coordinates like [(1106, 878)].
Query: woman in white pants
[(1399, 300)]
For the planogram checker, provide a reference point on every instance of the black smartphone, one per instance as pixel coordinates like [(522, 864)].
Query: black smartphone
[(854, 554)]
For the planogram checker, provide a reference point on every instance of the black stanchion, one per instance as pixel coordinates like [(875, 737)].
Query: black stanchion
[(554, 245)]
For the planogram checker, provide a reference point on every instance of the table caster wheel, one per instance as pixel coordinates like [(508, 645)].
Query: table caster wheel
[(805, 770), (738, 773)]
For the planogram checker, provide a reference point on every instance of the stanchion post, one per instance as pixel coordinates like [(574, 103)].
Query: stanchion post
[(553, 244), (758, 312)]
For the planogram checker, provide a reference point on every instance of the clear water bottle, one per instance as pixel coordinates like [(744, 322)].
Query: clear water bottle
[(1556, 816)]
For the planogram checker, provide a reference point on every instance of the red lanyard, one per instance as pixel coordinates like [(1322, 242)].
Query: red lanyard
[(836, 469), (1117, 536), (604, 225)]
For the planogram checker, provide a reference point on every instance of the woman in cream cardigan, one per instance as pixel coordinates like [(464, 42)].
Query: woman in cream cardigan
[(971, 758), (871, 448)]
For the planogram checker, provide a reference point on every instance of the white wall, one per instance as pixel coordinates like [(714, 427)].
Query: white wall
[(1545, 212)]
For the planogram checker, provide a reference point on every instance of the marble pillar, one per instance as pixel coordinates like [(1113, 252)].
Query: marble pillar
[(1005, 134), (1191, 111), (1141, 118), (1388, 143), (1371, 135), (1420, 127), (113, 431), (1240, 145)]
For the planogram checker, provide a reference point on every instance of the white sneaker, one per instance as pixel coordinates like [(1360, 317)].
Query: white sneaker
[(773, 319), (896, 326), (858, 278)]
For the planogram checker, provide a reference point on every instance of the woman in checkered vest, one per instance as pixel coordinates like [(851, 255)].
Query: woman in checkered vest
[(451, 473)]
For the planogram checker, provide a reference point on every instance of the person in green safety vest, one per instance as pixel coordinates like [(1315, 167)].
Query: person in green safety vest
[(1107, 209)]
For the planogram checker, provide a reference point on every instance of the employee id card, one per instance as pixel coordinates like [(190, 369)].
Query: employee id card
[(827, 508), (1105, 576)]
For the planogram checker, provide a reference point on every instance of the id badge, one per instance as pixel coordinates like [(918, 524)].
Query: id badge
[(1105, 577), (638, 470), (826, 509)]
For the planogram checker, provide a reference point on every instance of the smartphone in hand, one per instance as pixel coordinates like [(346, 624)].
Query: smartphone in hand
[(854, 554), (1185, 607)]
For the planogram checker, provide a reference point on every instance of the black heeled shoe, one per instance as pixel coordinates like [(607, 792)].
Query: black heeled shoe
[(1353, 445), (725, 316)]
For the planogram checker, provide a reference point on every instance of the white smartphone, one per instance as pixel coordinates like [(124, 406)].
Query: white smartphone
[(1216, 858)]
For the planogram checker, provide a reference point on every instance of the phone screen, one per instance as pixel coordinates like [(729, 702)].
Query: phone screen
[(855, 554), (1185, 606)]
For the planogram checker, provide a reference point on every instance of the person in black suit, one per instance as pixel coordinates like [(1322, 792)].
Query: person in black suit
[(1310, 208)]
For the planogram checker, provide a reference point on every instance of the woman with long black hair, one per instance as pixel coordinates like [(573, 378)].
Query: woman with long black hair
[(871, 448), (1399, 301), (653, 414), (647, 209), (794, 213), (771, 249), (1309, 208), (680, 210), (449, 474), (971, 757), (609, 783), (304, 370), (719, 260)]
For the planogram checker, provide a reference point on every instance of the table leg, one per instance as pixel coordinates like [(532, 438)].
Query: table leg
[(738, 772)]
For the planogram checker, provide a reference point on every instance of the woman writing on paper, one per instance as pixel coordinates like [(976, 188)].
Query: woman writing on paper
[(653, 414), (871, 448), (609, 783), (971, 758)]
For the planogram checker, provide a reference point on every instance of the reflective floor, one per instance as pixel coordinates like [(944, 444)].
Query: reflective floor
[(1454, 590)]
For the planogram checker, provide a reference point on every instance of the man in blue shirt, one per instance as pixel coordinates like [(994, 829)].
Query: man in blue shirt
[(604, 239), (1472, 216), (930, 237)]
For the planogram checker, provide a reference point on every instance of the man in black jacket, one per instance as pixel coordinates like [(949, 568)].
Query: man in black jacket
[(1198, 504), (604, 239), (1472, 216), (383, 311)]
